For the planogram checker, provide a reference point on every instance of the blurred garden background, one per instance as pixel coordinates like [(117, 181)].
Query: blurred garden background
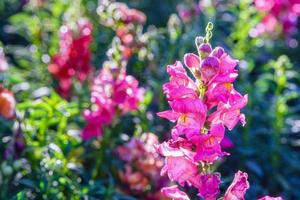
[(81, 82)]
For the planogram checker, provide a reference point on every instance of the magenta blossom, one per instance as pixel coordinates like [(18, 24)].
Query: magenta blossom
[(113, 92), (208, 185), (238, 187), (179, 163), (201, 107), (127, 94), (174, 193), (208, 146), (229, 113), (226, 143)]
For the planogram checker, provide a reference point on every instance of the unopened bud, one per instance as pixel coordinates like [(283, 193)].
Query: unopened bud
[(218, 52), (205, 49), (199, 40)]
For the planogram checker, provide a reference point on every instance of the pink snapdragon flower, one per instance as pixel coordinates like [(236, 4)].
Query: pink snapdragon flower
[(179, 163), (127, 94), (73, 59), (208, 146), (227, 143), (238, 187), (229, 113), (279, 13), (201, 106), (113, 92), (208, 186)]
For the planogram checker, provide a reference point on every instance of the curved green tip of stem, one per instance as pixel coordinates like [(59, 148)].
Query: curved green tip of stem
[(208, 30), (209, 26)]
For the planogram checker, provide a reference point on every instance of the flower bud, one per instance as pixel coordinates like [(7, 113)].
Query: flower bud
[(192, 61), (199, 40), (218, 52), (205, 49), (209, 68)]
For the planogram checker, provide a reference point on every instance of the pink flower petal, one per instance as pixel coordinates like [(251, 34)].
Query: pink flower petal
[(191, 60), (174, 193), (238, 187)]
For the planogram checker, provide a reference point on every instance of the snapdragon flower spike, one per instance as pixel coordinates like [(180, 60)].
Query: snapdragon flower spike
[(113, 91), (202, 107), (73, 59)]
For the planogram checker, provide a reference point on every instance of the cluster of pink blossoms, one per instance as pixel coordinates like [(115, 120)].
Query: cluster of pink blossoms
[(125, 21), (113, 93), (283, 13), (73, 59), (202, 106), (141, 165)]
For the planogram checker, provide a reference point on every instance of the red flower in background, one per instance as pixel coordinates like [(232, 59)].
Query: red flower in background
[(73, 59), (7, 103)]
